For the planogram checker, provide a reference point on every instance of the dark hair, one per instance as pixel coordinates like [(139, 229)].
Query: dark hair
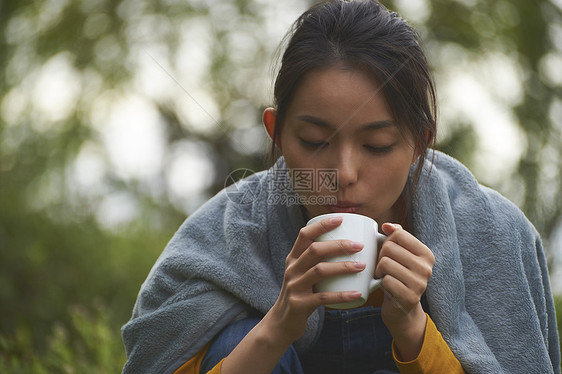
[(365, 35)]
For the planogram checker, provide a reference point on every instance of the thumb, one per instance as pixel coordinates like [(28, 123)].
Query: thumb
[(388, 228)]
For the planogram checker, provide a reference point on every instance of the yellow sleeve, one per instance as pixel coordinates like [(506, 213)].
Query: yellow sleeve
[(192, 366), (435, 355)]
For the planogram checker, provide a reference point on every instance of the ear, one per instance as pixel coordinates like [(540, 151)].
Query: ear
[(269, 117)]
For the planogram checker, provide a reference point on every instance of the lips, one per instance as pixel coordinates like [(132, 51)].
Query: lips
[(344, 207)]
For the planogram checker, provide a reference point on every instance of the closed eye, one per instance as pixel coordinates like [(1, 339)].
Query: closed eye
[(379, 150), (310, 144)]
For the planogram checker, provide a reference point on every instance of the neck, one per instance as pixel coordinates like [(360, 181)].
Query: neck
[(399, 212)]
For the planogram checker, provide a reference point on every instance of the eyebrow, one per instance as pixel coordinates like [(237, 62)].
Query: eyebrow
[(323, 123)]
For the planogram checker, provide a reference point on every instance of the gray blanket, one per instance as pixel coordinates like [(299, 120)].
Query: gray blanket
[(489, 294)]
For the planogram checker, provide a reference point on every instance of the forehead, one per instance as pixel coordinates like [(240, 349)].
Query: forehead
[(340, 94)]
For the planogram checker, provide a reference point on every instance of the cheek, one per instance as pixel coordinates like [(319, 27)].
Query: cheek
[(289, 151), (293, 161), (393, 177), (390, 184)]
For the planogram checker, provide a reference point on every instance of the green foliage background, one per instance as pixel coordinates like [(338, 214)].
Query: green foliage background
[(68, 276)]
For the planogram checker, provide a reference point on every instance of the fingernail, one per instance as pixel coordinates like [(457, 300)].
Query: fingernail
[(355, 294), (359, 265), (335, 220), (356, 245)]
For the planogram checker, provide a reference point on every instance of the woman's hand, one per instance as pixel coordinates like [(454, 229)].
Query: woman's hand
[(285, 322), (304, 268), (405, 264)]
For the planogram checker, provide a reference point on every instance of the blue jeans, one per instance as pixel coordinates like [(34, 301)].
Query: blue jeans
[(229, 338), (351, 341)]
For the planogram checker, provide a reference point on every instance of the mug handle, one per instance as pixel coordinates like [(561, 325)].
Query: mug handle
[(376, 283)]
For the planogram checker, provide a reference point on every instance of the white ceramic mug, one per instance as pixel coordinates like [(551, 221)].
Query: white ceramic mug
[(361, 229)]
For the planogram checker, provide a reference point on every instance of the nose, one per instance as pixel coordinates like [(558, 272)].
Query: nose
[(348, 165)]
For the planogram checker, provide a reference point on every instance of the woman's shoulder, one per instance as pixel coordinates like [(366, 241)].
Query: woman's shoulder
[(246, 195), (471, 200), (238, 194)]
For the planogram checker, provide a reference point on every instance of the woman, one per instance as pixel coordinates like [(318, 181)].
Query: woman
[(465, 285)]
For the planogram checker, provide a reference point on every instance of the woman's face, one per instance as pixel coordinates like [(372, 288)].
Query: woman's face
[(339, 120)]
